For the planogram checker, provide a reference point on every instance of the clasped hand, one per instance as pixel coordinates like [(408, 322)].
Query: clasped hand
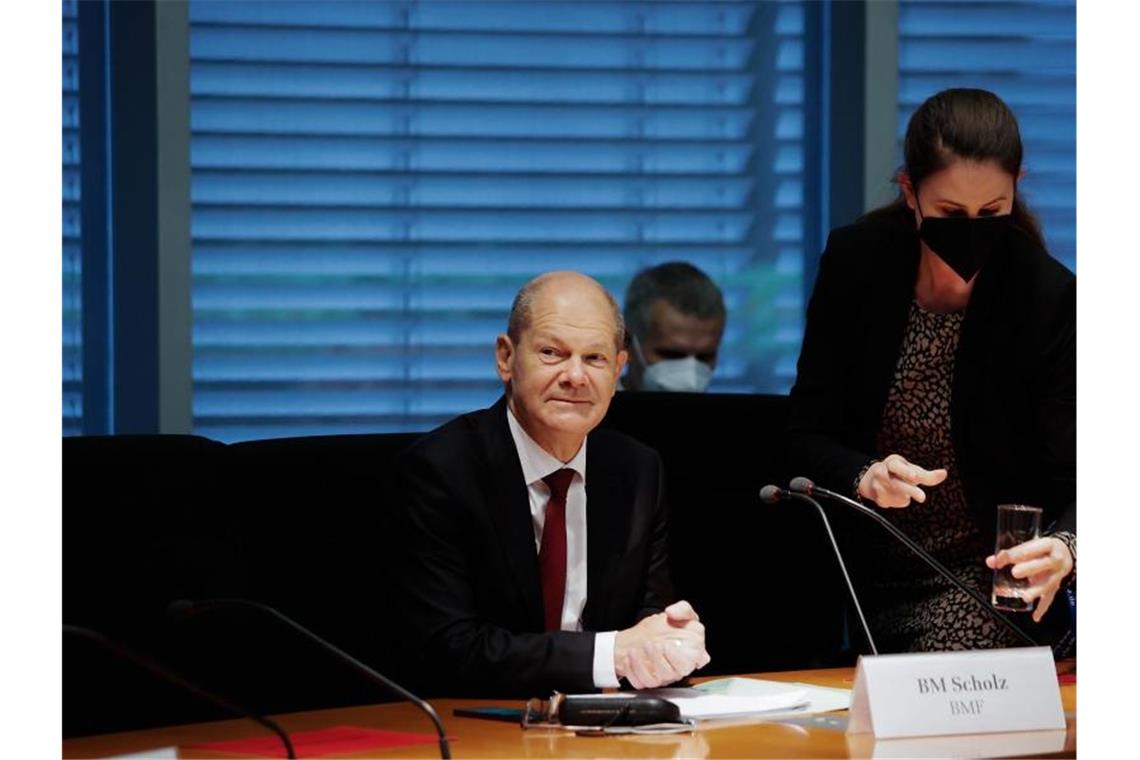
[(661, 648)]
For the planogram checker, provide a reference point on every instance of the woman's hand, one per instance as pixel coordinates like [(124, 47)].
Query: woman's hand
[(1044, 561), (893, 482)]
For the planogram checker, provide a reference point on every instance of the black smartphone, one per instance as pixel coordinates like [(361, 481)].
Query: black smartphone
[(505, 714), (617, 710)]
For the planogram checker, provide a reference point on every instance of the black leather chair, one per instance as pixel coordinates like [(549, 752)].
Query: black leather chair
[(142, 525)]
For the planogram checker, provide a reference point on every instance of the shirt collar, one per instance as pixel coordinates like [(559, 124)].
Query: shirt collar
[(536, 461)]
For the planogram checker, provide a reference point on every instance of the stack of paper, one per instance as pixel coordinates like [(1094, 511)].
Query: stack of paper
[(698, 705), (737, 698), (818, 698), (753, 697)]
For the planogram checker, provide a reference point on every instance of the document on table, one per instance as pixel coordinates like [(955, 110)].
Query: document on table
[(696, 704), (748, 698), (819, 698)]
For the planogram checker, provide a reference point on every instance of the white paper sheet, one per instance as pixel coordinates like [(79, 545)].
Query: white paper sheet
[(727, 698), (819, 698), (699, 705)]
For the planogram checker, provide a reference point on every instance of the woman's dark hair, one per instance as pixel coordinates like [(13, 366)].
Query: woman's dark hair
[(963, 124)]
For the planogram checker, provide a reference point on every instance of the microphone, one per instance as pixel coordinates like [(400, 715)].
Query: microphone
[(165, 674), (183, 609), (804, 486), (770, 495)]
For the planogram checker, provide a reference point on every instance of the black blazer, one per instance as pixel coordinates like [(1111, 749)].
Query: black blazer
[(468, 569), (1013, 397)]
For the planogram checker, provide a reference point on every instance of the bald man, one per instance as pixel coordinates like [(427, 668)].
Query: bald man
[(530, 559)]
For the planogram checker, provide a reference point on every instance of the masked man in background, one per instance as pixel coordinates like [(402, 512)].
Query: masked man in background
[(675, 319)]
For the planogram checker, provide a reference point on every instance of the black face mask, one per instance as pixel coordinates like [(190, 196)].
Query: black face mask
[(964, 243)]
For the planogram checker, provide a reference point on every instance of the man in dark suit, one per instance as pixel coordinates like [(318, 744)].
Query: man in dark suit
[(530, 559)]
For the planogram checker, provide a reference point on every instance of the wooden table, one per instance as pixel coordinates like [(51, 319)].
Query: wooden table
[(480, 738)]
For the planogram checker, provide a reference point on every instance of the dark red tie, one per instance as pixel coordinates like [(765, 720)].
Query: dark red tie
[(552, 549)]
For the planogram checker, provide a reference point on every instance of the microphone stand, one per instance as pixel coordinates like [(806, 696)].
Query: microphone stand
[(183, 608), (170, 676), (772, 494)]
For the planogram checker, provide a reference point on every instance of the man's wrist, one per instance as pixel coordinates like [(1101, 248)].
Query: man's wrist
[(605, 669)]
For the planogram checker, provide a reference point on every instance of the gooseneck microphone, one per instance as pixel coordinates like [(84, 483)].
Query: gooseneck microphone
[(804, 486), (166, 674), (183, 609), (772, 494)]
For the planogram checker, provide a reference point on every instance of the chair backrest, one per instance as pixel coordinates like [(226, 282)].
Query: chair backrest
[(762, 578), (142, 525), (313, 515)]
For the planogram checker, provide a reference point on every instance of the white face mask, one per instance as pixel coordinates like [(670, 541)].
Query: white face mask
[(687, 375), (679, 375)]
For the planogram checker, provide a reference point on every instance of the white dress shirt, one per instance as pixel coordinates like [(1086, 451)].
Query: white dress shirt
[(537, 463)]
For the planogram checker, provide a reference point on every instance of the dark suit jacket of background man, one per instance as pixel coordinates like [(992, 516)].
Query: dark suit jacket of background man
[(468, 587)]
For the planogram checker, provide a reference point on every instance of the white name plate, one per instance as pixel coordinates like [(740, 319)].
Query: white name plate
[(947, 693)]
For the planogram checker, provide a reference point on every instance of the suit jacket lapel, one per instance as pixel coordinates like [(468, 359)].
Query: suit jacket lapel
[(609, 508), (509, 507)]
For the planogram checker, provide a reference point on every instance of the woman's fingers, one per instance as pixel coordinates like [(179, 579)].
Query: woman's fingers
[(895, 492), (902, 469), (889, 493), (899, 468), (1029, 549), (1048, 565), (907, 491), (1041, 555), (1044, 594), (932, 477), (894, 482), (1043, 605), (1044, 561)]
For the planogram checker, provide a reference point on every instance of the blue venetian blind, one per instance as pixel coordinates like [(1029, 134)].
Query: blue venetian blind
[(372, 182), (72, 239), (1026, 53)]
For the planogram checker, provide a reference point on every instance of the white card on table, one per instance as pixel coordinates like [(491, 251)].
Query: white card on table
[(946, 693)]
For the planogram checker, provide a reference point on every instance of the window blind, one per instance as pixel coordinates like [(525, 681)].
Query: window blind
[(372, 182), (72, 234), (1025, 52)]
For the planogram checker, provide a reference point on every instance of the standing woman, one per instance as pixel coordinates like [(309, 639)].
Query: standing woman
[(937, 379)]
